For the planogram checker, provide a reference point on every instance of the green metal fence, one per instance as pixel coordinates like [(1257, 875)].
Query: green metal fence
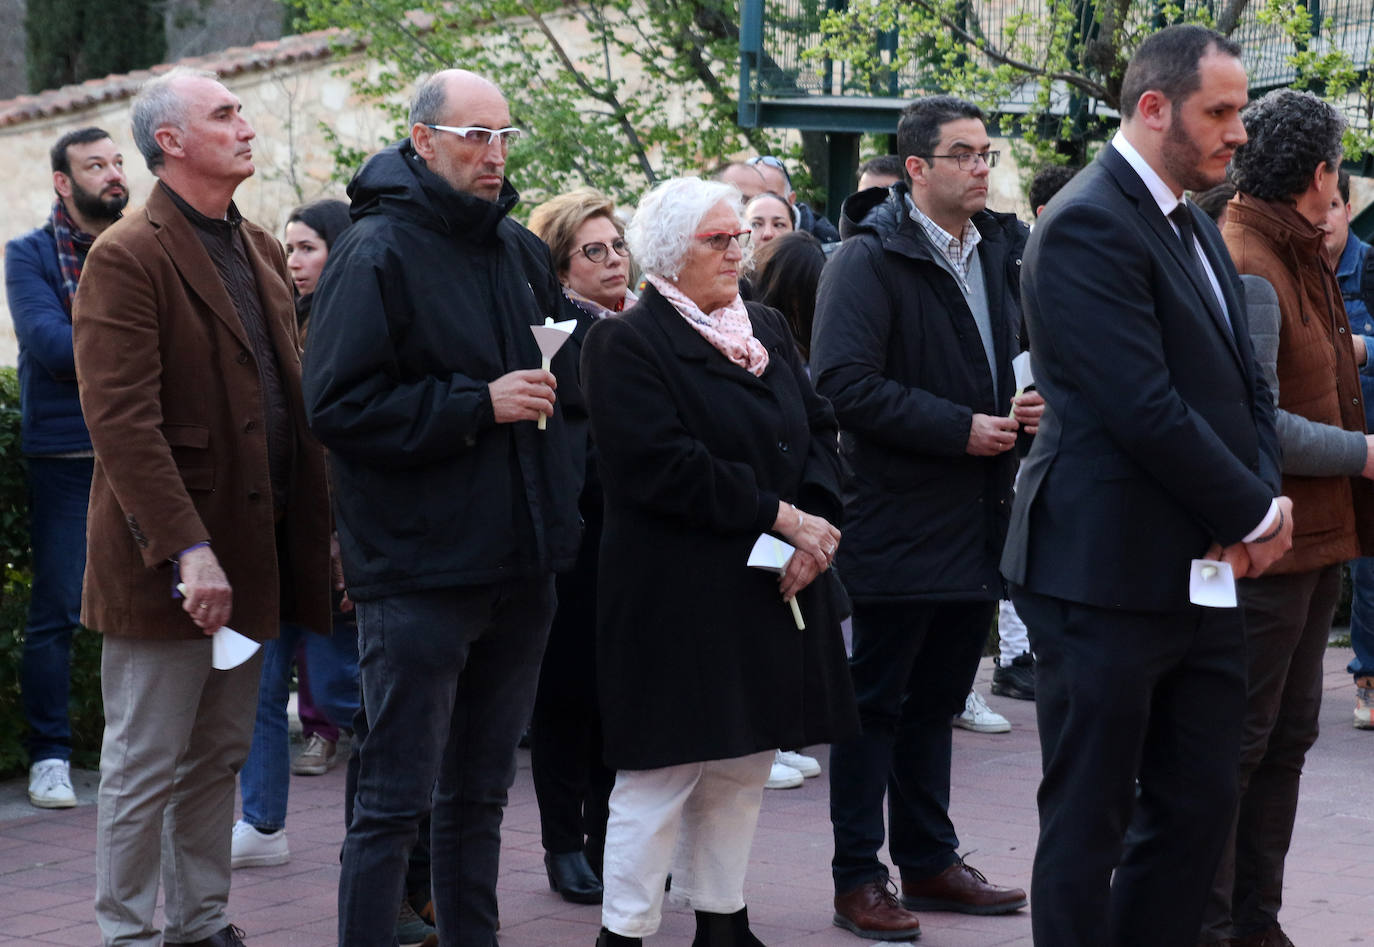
[(781, 86)]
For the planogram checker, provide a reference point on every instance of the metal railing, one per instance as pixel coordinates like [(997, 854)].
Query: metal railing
[(777, 34)]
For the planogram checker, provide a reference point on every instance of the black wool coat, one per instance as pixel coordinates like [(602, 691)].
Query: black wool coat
[(698, 657)]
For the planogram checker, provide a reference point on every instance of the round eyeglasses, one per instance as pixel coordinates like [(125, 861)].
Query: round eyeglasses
[(596, 252)]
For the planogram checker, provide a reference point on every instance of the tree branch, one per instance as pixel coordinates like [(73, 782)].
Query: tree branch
[(1230, 16), (1073, 79), (609, 97)]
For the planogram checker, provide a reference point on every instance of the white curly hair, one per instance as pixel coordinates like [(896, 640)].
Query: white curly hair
[(668, 217)]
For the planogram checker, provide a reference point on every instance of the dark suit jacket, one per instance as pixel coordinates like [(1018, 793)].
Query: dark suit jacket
[(170, 390), (698, 657), (1159, 435)]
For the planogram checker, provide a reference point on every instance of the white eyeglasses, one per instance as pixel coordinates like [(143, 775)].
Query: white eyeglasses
[(481, 135)]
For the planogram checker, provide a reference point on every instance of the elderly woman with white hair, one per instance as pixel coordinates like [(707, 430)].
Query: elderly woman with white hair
[(709, 435)]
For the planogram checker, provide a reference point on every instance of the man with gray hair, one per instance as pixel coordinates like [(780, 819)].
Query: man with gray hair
[(454, 506), (208, 507), (1286, 179)]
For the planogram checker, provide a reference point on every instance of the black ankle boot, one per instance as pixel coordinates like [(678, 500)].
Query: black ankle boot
[(725, 930), (608, 939), (571, 876)]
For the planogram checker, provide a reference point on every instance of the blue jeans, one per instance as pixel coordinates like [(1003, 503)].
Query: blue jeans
[(333, 662), (1362, 588), (1362, 616), (448, 680), (59, 488)]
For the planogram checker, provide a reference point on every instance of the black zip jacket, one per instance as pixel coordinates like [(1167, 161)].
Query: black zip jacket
[(896, 350), (426, 299)]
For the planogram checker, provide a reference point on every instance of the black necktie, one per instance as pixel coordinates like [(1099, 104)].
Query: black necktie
[(1183, 220)]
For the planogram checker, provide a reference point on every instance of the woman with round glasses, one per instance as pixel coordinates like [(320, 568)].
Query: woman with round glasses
[(708, 435), (571, 783)]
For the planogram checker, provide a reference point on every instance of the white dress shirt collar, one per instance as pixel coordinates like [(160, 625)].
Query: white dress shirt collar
[(1161, 192)]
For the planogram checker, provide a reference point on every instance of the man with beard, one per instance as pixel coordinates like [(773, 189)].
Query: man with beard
[(41, 272), (1157, 447)]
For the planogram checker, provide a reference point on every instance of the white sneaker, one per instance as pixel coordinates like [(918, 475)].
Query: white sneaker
[(254, 849), (783, 777), (50, 785), (808, 766), (980, 718)]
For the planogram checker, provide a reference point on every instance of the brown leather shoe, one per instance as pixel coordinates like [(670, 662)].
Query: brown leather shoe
[(872, 911), (962, 888), (1269, 937)]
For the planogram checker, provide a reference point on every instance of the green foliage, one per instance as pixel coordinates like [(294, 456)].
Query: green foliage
[(16, 578), (615, 94), (1056, 59), (74, 40)]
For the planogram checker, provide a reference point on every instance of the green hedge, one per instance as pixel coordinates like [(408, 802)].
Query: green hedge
[(88, 720)]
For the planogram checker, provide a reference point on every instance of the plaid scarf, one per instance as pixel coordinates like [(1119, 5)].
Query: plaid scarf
[(72, 245)]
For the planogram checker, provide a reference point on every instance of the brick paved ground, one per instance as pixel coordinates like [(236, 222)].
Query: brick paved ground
[(46, 859)]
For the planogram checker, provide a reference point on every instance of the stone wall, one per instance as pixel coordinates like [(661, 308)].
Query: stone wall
[(285, 105)]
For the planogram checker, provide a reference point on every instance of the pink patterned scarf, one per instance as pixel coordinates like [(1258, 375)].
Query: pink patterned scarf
[(727, 328)]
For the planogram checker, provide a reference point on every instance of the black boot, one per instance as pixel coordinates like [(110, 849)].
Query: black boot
[(608, 939), (571, 876), (725, 930)]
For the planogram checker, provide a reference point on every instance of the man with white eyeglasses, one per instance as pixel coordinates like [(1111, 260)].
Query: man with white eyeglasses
[(453, 507)]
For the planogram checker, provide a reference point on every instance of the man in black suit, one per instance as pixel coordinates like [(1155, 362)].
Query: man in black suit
[(1157, 447)]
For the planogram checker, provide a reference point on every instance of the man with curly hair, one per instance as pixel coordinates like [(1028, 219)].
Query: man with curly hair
[(1286, 179)]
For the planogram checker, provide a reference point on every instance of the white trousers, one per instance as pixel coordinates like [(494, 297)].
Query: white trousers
[(1011, 631), (696, 820)]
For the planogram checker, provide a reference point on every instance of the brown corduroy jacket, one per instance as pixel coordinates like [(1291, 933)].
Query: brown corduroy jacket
[(170, 391)]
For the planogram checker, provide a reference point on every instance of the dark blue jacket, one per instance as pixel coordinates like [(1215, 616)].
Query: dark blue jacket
[(1349, 271), (52, 421)]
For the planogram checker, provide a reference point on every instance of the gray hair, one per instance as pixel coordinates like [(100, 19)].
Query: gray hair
[(427, 106), (666, 221), (158, 104), (1290, 133)]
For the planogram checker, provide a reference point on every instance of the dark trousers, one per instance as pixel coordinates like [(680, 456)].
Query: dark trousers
[(571, 782), (448, 678), (59, 488), (1140, 719), (912, 666), (417, 883), (1287, 624)]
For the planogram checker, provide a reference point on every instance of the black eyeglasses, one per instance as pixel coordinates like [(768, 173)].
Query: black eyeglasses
[(596, 252), (968, 160), (718, 240)]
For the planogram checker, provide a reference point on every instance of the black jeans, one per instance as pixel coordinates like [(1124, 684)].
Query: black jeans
[(448, 679), (913, 665), (1140, 719), (1287, 623)]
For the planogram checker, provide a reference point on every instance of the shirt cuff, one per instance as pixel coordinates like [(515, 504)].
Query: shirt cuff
[(1266, 524)]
